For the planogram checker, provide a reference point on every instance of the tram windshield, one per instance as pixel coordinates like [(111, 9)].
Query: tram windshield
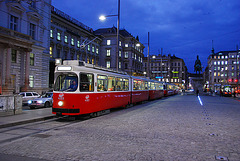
[(66, 82)]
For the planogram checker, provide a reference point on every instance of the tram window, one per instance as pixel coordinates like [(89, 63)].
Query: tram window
[(125, 84), (102, 83), (111, 84), (119, 84), (86, 82), (161, 86), (146, 85), (153, 86), (137, 84), (66, 82)]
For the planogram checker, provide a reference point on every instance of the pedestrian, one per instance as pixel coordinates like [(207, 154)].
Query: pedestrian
[(197, 92), (221, 93)]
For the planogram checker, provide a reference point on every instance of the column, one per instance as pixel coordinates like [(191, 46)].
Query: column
[(27, 64)]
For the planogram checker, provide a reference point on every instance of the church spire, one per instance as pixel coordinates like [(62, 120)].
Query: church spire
[(212, 48)]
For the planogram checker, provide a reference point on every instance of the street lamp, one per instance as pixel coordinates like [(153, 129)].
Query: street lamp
[(102, 18)]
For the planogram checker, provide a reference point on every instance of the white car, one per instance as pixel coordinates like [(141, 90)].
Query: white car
[(26, 96), (43, 101)]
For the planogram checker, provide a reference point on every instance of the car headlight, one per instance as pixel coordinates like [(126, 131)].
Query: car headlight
[(40, 101), (60, 103), (30, 101)]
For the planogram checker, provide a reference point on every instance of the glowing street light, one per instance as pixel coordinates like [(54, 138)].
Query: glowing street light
[(102, 18)]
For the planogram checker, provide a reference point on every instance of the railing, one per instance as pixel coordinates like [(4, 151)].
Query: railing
[(13, 33)]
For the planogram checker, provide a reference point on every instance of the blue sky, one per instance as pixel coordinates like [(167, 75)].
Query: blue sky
[(185, 28)]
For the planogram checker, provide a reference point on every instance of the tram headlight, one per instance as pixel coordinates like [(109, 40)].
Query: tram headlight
[(60, 103)]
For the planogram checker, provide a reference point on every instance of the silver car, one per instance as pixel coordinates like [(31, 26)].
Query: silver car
[(43, 101), (26, 96)]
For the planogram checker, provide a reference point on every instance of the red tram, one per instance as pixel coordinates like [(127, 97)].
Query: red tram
[(83, 88)]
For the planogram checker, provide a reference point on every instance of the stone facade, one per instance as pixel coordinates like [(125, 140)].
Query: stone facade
[(71, 40), (223, 69), (24, 30), (130, 57), (167, 68)]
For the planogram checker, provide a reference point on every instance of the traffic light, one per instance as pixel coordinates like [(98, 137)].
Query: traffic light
[(229, 80), (235, 80)]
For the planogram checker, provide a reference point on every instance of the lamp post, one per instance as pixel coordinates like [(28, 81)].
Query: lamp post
[(118, 24)]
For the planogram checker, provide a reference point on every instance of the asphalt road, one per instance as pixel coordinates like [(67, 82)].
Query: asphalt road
[(174, 128)]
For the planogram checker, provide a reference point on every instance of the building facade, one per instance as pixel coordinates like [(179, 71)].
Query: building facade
[(24, 41), (166, 68), (223, 69), (130, 56), (71, 40)]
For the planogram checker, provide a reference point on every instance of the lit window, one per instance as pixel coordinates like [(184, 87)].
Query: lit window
[(135, 56), (31, 59), (59, 36), (51, 33), (108, 52), (215, 63), (226, 57), (88, 47), (93, 49), (50, 51), (226, 68), (226, 62), (120, 53), (222, 62), (120, 43), (31, 81), (66, 39), (126, 45), (78, 44), (108, 42), (219, 62), (126, 55), (232, 74), (222, 57), (108, 64), (215, 74), (72, 41), (119, 65), (96, 50)]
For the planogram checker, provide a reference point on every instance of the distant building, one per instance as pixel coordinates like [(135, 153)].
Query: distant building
[(167, 68), (24, 30), (71, 40), (130, 58), (223, 69)]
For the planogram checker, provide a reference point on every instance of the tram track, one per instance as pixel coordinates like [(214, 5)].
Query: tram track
[(30, 129)]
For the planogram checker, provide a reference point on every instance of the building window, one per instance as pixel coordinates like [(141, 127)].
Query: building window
[(126, 55), (13, 23), (59, 36), (108, 42), (31, 59), (96, 50), (14, 56), (66, 39), (119, 65), (108, 52), (126, 45), (93, 49), (31, 81), (88, 47), (78, 44), (108, 64), (33, 3), (51, 33), (32, 30), (120, 53), (120, 43), (72, 41), (50, 51)]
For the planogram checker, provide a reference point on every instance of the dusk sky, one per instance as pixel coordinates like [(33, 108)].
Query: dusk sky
[(185, 28)]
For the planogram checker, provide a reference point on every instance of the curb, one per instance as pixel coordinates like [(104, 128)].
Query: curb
[(26, 121)]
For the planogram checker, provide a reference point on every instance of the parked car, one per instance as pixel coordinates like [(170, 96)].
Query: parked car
[(43, 101), (26, 96)]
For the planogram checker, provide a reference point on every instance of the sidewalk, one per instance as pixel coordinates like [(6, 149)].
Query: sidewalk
[(26, 116)]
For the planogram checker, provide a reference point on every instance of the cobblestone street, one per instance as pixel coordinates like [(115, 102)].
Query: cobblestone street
[(169, 129)]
